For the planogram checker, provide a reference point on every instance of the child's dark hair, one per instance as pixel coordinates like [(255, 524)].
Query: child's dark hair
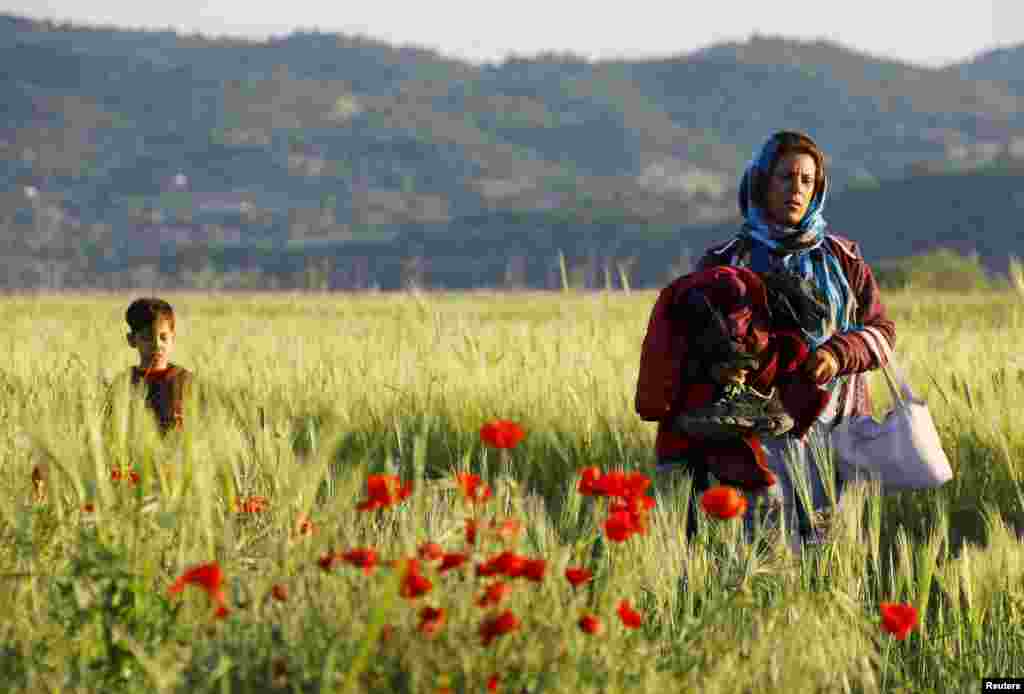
[(144, 312)]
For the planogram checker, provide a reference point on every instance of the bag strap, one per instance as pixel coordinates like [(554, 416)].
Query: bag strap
[(899, 387)]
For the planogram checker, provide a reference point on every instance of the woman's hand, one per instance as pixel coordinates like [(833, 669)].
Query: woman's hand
[(821, 366)]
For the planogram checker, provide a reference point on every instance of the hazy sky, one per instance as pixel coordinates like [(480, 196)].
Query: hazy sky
[(924, 32)]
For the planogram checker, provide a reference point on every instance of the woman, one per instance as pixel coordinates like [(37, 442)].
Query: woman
[(781, 197)]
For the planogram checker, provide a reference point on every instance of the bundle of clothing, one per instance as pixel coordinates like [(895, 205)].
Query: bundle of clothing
[(735, 317)]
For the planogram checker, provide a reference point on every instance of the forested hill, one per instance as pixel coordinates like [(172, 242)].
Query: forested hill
[(125, 149)]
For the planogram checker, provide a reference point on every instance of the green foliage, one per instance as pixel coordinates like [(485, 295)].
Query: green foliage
[(332, 388), (104, 606), (941, 269)]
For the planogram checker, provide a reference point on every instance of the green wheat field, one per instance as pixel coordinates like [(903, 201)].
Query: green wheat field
[(304, 396)]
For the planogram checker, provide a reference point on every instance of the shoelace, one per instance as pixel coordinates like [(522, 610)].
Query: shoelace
[(734, 391)]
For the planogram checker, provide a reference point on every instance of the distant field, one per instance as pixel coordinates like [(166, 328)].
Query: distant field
[(305, 395)]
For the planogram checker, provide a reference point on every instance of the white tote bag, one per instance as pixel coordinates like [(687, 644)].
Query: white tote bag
[(903, 451)]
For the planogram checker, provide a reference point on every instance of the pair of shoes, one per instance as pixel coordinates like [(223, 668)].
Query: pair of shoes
[(740, 411)]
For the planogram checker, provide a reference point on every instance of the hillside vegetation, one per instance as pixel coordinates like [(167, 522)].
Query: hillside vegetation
[(138, 157)]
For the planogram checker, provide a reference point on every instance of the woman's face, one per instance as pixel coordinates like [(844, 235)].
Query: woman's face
[(791, 188)]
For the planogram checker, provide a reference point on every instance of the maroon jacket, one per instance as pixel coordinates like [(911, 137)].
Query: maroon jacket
[(663, 392)]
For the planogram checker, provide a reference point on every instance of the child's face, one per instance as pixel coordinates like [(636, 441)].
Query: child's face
[(155, 344)]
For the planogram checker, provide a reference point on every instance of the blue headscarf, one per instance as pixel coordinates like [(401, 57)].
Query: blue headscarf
[(803, 249)]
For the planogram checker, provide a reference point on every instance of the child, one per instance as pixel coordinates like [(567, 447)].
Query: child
[(167, 385)]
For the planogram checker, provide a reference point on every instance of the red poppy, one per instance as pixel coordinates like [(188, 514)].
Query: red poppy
[(327, 560), (118, 474), (431, 620), (471, 526), (620, 526), (637, 483), (414, 584), (207, 576), (304, 525), (507, 530), (637, 504), (473, 488), (494, 594), (507, 563), (279, 592), (210, 578), (363, 557), (498, 625), (630, 617), (622, 484), (501, 433), (611, 483), (615, 483), (383, 491), (430, 551), (452, 561), (588, 479), (898, 619), (578, 576), (590, 624), (252, 504), (723, 502), (637, 507), (533, 569), (492, 683)]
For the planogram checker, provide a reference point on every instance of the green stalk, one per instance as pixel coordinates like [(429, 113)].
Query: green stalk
[(378, 617), (885, 663), (564, 271)]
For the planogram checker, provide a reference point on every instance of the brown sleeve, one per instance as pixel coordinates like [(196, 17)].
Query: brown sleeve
[(853, 350)]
